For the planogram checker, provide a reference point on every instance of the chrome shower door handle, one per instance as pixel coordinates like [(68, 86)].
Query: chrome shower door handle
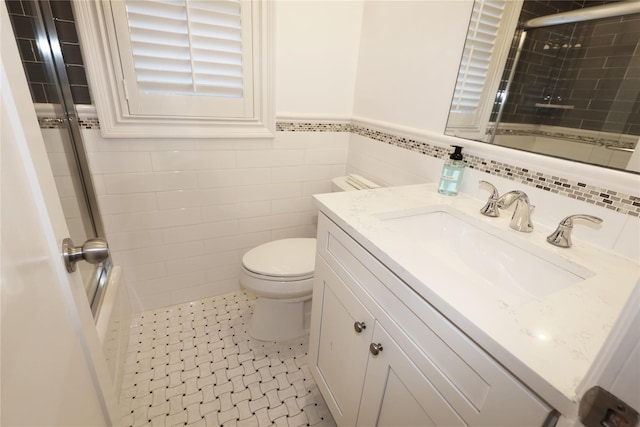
[(93, 251)]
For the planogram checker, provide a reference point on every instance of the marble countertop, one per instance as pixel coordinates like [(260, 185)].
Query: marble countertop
[(551, 341)]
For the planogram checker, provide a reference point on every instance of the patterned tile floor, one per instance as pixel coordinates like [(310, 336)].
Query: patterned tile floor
[(194, 364)]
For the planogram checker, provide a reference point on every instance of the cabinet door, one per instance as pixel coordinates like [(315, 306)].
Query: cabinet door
[(396, 393), (337, 351)]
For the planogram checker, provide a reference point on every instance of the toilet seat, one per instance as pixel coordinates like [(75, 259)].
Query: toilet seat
[(293, 290), (279, 279), (284, 260), (281, 269)]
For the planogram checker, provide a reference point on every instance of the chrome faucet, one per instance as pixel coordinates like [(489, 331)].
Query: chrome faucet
[(521, 219), (562, 236)]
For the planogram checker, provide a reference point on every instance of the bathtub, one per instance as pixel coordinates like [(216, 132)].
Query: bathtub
[(113, 321)]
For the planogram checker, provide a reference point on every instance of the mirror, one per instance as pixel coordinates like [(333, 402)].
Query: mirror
[(568, 90)]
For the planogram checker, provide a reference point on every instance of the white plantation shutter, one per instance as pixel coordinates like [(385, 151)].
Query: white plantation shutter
[(485, 52), (189, 58), (190, 47), (476, 58)]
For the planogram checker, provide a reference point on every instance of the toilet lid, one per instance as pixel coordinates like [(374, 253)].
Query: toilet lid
[(282, 258)]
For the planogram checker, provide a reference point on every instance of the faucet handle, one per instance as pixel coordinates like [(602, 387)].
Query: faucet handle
[(561, 237), (491, 207), (568, 221)]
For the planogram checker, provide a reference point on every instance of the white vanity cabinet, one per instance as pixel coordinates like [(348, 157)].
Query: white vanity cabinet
[(393, 391), (426, 371)]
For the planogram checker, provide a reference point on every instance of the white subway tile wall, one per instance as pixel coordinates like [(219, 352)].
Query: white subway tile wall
[(64, 176), (179, 214)]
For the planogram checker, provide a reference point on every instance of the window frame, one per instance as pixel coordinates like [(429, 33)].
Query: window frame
[(96, 30)]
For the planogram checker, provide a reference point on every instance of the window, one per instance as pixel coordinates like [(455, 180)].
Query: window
[(177, 68), (485, 53)]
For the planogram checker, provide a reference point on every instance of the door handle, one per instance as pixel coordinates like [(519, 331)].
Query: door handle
[(94, 251)]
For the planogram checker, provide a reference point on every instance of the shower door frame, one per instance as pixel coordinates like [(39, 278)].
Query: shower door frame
[(51, 51), (575, 16)]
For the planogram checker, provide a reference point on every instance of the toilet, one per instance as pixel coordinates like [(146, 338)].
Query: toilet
[(280, 273)]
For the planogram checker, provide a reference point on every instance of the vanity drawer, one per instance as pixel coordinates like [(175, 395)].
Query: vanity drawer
[(480, 390)]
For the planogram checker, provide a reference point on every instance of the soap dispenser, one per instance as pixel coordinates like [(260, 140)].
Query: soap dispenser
[(452, 173)]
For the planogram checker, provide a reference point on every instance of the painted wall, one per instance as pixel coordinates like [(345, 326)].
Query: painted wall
[(408, 61), (317, 46)]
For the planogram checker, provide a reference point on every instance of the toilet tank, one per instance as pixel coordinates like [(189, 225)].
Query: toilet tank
[(351, 182)]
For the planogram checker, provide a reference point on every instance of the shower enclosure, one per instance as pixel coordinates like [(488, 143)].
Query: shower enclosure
[(52, 60), (571, 87)]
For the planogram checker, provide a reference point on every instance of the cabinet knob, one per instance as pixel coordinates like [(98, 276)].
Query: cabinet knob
[(359, 326), (375, 348)]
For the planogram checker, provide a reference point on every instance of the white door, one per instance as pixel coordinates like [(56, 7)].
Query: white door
[(52, 368)]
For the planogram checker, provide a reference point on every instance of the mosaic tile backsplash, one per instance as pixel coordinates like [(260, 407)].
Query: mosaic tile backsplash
[(624, 203), (627, 204)]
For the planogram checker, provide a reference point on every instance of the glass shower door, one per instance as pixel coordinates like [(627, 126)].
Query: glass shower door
[(49, 47)]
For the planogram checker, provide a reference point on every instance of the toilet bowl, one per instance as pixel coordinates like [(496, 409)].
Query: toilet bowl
[(280, 274)]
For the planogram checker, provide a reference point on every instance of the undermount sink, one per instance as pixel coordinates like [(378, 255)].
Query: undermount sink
[(498, 256)]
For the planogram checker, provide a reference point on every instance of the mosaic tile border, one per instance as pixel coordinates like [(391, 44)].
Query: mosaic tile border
[(626, 204), (312, 127), (623, 203), (89, 123), (58, 123), (50, 122)]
